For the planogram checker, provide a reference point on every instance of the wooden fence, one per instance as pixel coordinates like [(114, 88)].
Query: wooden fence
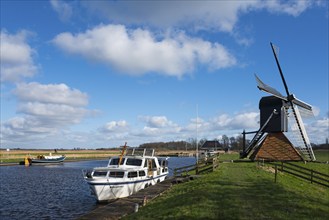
[(204, 166), (301, 172)]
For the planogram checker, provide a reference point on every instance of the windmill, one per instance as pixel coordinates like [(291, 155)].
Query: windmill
[(276, 112)]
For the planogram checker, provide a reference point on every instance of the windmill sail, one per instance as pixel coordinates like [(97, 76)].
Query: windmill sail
[(305, 147), (301, 104), (269, 89), (298, 134)]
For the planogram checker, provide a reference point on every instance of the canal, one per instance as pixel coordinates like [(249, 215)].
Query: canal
[(53, 191)]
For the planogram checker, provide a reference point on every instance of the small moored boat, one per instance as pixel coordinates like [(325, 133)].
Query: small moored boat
[(127, 174), (47, 159)]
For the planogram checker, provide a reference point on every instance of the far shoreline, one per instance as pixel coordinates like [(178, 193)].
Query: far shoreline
[(16, 156)]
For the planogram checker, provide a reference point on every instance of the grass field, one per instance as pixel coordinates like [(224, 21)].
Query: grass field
[(15, 156), (322, 155), (240, 191), (19, 155)]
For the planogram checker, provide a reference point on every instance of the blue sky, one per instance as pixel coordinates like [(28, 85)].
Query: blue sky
[(101, 73)]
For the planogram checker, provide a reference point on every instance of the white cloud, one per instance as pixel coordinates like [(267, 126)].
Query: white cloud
[(247, 120), (16, 57), (293, 8), (137, 51), (50, 94), (316, 111), (46, 110), (63, 9), (164, 129), (156, 121), (239, 121), (149, 131), (23, 126), (54, 113), (195, 15), (159, 128), (318, 130), (155, 128), (115, 126)]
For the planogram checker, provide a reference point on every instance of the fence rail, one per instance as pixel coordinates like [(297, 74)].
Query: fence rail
[(208, 165), (310, 175), (186, 169)]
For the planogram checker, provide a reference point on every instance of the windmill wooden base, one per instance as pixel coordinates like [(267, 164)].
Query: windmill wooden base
[(276, 147)]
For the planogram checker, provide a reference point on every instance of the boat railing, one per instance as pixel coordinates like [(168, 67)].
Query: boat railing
[(140, 152)]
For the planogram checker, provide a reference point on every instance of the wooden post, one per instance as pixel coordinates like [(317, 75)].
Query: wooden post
[(244, 141), (276, 172)]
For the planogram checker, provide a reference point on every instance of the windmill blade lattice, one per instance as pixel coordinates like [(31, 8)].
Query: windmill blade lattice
[(298, 135), (301, 103)]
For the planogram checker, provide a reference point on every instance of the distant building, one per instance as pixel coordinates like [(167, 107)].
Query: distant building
[(211, 146)]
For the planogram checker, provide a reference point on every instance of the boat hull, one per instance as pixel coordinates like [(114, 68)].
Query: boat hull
[(105, 190), (45, 161)]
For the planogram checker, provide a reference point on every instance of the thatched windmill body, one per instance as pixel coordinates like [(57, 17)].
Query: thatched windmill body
[(276, 112)]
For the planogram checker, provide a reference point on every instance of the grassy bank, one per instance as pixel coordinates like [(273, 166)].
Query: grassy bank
[(15, 156), (19, 155), (241, 191)]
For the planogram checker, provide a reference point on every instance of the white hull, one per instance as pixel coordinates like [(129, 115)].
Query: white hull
[(105, 190)]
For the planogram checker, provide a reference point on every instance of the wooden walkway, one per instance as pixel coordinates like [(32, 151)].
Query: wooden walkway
[(125, 206)]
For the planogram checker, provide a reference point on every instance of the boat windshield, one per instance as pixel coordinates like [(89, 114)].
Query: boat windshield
[(115, 161), (134, 162)]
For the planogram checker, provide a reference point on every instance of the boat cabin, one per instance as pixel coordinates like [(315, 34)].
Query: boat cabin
[(127, 174), (134, 164)]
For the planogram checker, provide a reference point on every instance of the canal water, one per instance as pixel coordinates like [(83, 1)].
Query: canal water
[(53, 191)]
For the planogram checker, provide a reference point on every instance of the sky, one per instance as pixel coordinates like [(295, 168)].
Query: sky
[(93, 74)]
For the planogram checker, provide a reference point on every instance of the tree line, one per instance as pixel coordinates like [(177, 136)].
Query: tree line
[(225, 143), (232, 143)]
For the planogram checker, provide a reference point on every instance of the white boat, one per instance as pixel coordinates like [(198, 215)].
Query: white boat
[(127, 174)]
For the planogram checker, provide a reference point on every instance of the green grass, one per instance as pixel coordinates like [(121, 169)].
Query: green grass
[(321, 155), (15, 156), (320, 167), (240, 191), (229, 156)]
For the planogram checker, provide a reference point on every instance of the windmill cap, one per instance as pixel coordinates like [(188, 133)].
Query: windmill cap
[(270, 102)]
